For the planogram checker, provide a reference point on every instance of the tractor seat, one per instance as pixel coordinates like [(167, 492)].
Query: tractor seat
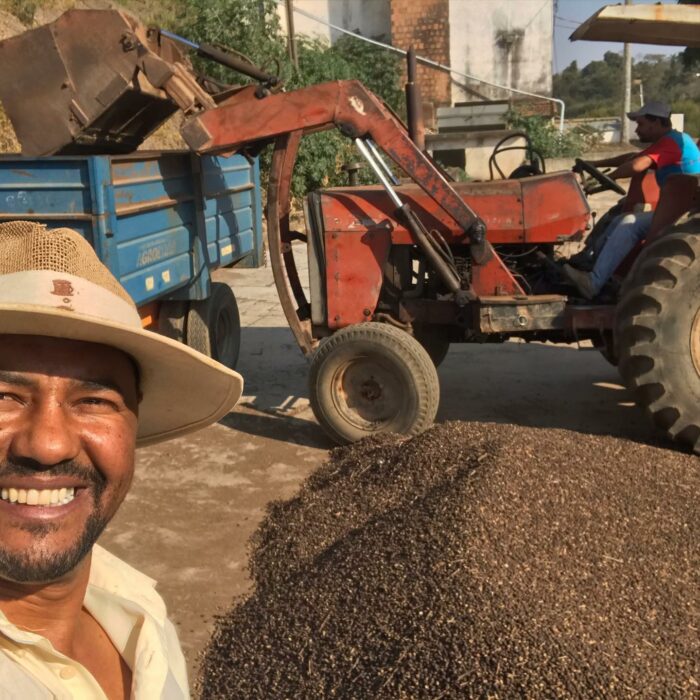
[(680, 194)]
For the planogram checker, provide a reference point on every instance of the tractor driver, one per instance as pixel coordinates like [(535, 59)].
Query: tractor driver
[(671, 153)]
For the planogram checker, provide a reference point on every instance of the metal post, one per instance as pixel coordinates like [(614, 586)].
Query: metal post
[(291, 37), (627, 104), (414, 110)]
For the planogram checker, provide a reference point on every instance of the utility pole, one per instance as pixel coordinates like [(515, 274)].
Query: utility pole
[(627, 102), (291, 38)]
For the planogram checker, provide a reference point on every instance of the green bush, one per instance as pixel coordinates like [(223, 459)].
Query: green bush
[(691, 110), (24, 10), (547, 140)]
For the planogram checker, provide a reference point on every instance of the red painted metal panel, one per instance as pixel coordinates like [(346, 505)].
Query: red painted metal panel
[(369, 207), (354, 269), (556, 199), (554, 208), (492, 277)]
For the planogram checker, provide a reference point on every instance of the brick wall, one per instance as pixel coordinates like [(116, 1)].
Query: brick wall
[(425, 25)]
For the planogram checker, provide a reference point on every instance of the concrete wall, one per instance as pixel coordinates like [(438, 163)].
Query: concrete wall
[(508, 42), (371, 18), (471, 152)]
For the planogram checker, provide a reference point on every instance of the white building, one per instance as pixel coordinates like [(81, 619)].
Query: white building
[(506, 42)]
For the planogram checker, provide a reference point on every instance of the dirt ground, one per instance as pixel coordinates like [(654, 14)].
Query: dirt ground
[(196, 501)]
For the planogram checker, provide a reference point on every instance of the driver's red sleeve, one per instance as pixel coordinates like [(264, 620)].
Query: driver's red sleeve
[(664, 152)]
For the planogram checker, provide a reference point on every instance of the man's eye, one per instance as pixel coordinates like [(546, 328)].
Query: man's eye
[(9, 401), (98, 403)]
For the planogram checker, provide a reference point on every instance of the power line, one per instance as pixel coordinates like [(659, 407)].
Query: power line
[(567, 19), (562, 21)]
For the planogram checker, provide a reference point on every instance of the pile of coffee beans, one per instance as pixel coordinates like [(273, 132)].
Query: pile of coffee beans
[(475, 560)]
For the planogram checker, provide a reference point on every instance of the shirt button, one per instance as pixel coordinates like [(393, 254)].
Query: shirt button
[(67, 672)]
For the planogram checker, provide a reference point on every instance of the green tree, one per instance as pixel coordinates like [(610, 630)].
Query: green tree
[(691, 56), (321, 156), (252, 28), (595, 90)]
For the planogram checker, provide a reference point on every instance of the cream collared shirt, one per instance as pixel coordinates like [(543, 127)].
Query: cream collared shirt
[(130, 611)]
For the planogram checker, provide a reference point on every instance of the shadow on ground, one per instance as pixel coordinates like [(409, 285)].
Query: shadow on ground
[(547, 386), (297, 431)]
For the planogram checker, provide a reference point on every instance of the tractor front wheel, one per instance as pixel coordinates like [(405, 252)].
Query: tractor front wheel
[(658, 333), (372, 378)]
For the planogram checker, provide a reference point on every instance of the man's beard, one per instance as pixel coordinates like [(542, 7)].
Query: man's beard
[(37, 565)]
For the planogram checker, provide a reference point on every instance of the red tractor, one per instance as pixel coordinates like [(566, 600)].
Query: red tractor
[(397, 272)]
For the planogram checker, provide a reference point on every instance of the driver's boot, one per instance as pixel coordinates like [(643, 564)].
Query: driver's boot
[(583, 260), (581, 280)]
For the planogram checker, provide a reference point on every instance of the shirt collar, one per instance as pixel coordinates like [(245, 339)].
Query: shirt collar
[(110, 575), (113, 576)]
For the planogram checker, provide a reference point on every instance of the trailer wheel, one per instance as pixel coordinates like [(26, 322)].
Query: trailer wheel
[(435, 339), (214, 326), (172, 319), (658, 333), (372, 378)]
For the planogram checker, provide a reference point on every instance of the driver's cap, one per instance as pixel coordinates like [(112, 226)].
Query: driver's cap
[(651, 109)]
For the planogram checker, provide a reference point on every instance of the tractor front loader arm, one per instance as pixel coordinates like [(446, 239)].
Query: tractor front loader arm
[(346, 105)]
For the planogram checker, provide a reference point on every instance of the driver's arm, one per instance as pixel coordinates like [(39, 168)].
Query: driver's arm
[(632, 167), (615, 161)]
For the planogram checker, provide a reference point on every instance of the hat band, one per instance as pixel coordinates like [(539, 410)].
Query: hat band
[(66, 292)]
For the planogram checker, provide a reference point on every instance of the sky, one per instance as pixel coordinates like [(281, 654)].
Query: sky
[(569, 14)]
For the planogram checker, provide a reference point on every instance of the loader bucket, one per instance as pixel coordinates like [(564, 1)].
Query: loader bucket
[(73, 86)]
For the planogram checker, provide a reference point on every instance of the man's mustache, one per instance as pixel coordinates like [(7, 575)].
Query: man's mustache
[(70, 468)]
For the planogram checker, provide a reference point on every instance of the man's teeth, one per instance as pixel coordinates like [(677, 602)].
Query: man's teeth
[(34, 497)]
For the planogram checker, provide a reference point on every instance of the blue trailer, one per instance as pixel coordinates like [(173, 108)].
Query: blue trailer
[(161, 222)]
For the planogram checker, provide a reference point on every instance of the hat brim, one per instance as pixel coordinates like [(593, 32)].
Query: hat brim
[(182, 389)]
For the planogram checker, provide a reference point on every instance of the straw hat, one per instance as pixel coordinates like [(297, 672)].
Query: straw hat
[(53, 284)]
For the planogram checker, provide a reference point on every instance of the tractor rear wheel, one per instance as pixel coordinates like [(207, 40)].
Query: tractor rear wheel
[(658, 333), (214, 326), (372, 378)]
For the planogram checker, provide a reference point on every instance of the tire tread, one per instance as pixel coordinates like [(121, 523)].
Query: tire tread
[(647, 296)]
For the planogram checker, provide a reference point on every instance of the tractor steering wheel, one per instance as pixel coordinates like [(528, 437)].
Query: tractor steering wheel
[(605, 182)]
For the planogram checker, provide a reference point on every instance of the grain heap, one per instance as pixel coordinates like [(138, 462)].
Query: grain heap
[(473, 561)]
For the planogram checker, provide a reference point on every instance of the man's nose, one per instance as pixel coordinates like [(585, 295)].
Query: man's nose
[(46, 436)]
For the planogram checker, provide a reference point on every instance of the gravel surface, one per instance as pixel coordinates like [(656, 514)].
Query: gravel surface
[(475, 560)]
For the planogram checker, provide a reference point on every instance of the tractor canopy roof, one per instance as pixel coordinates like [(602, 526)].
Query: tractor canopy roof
[(672, 25)]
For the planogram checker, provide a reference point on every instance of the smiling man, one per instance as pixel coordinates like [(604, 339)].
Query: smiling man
[(81, 385)]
